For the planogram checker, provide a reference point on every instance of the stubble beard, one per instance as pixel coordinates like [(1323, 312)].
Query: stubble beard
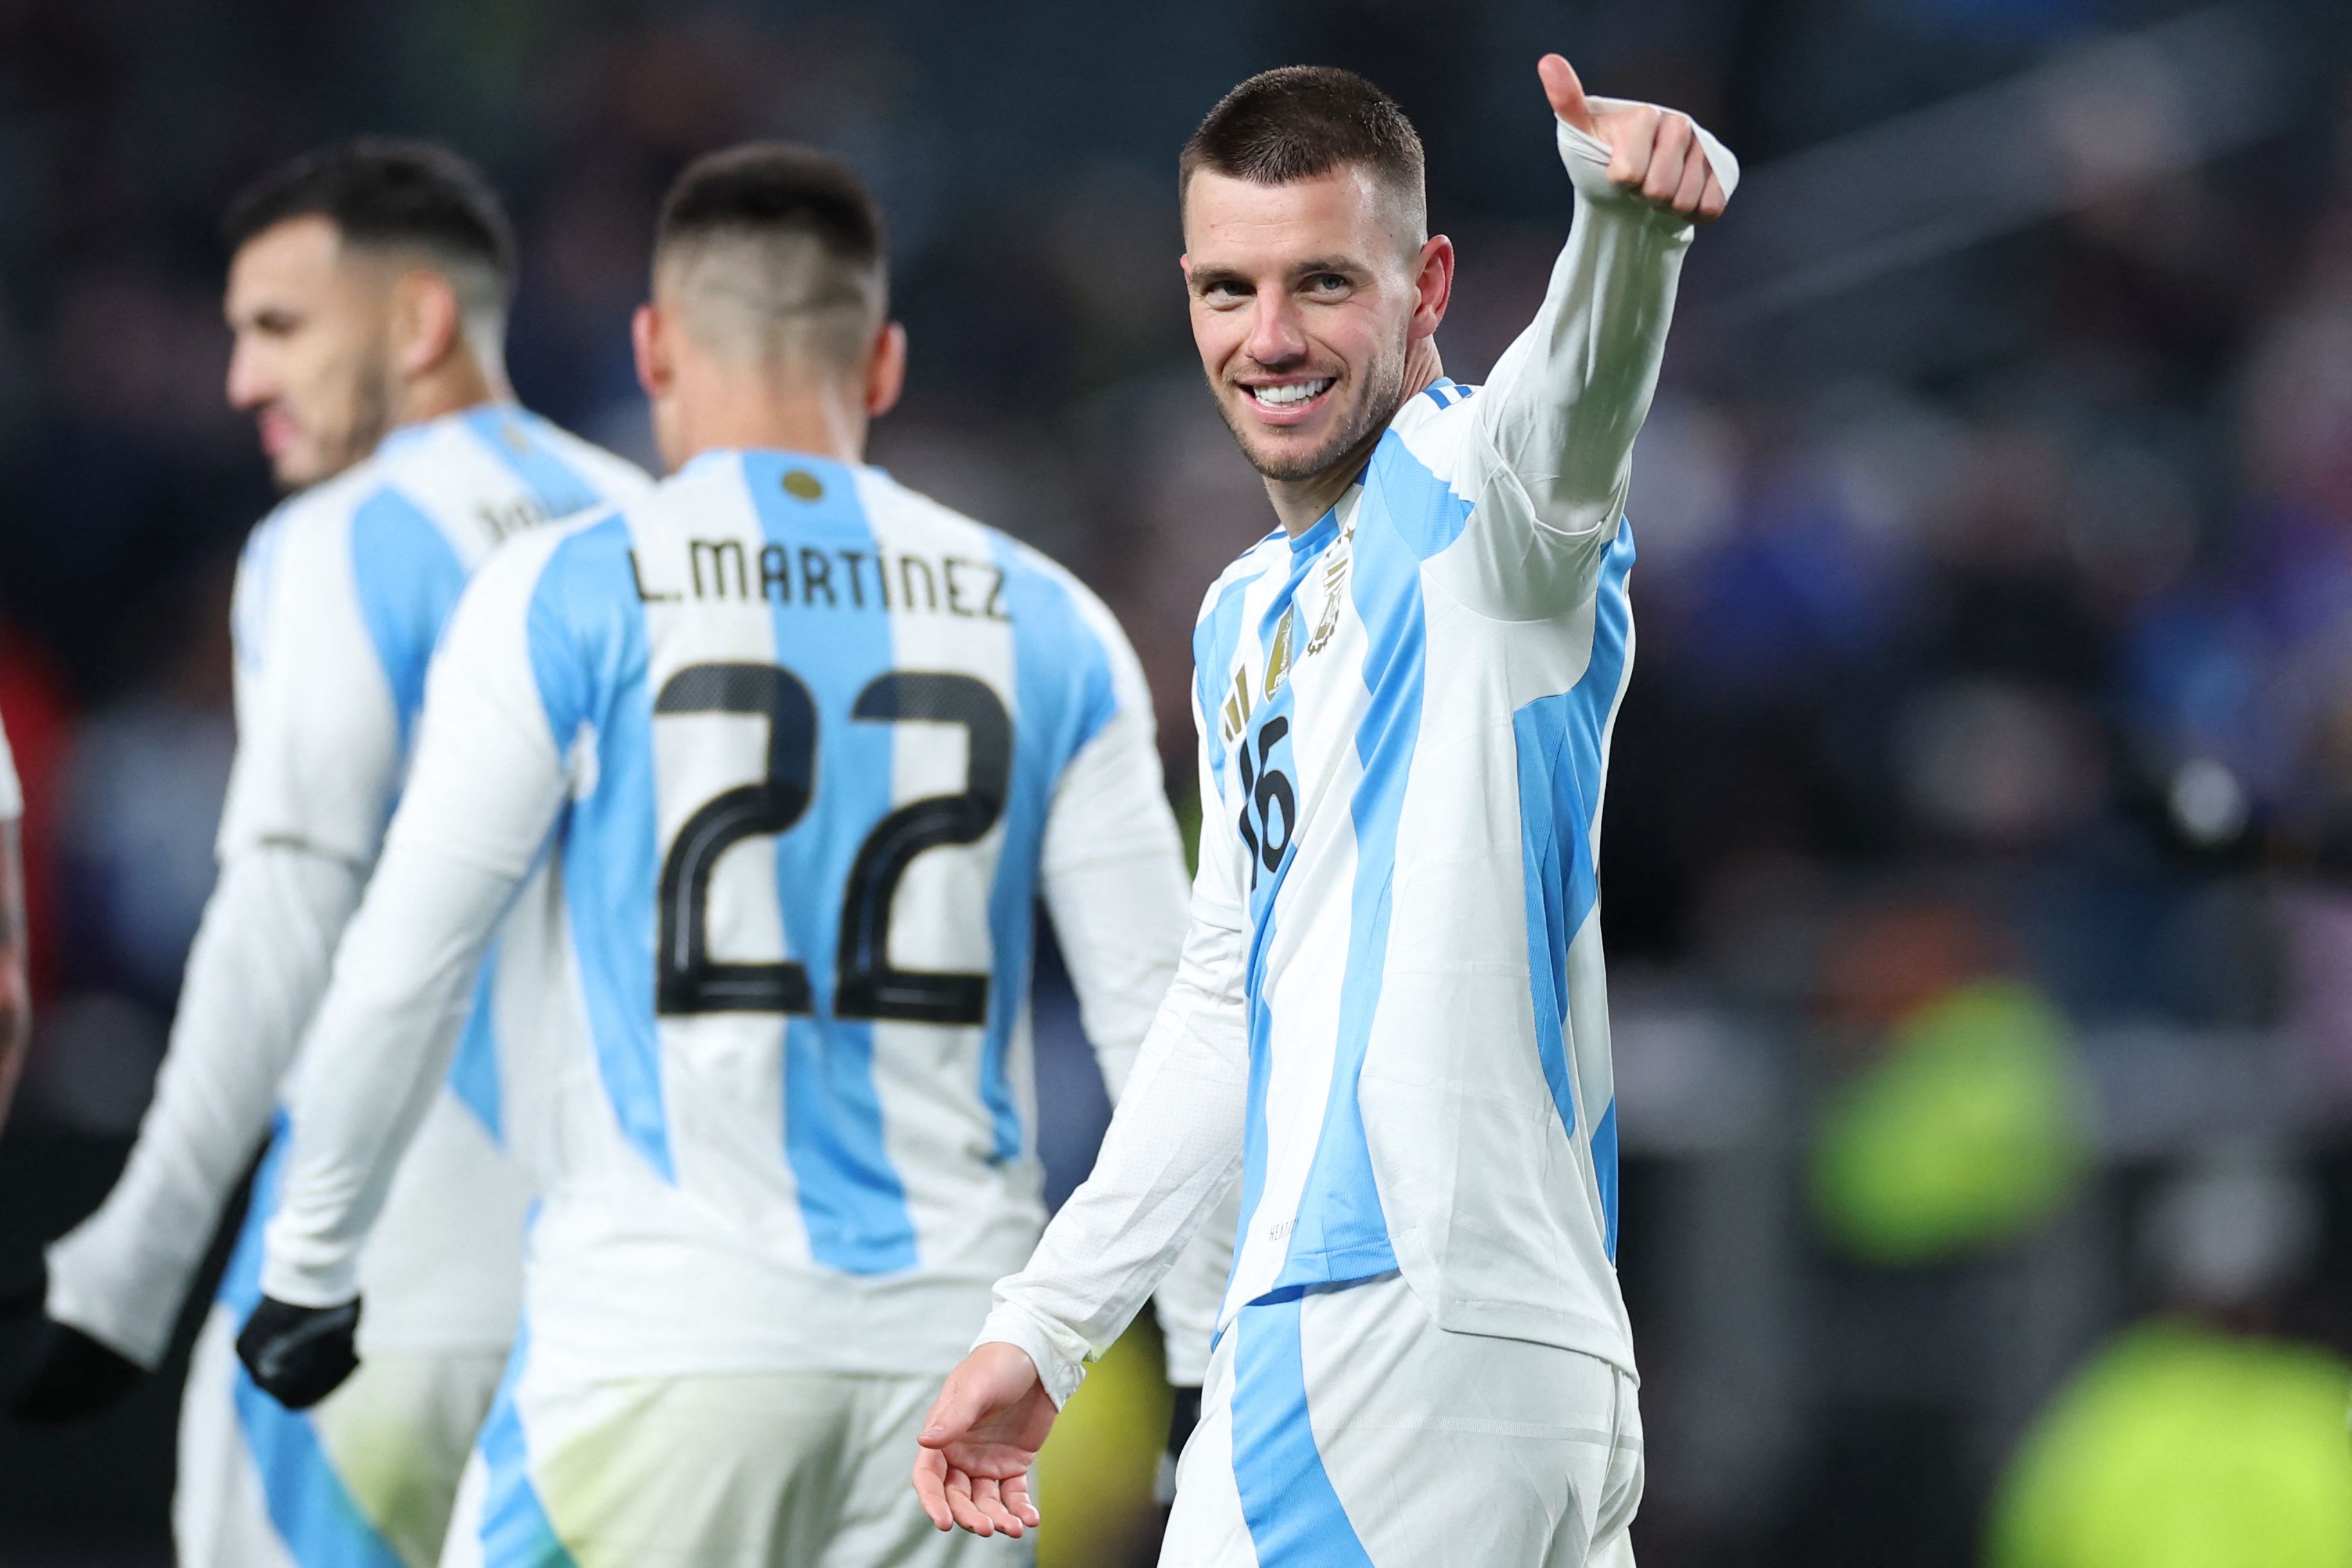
[(1383, 385), (369, 406)]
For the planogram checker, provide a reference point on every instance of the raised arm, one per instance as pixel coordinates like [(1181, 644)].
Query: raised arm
[(1550, 445)]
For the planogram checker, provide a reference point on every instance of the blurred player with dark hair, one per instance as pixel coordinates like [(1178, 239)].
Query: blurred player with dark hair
[(1390, 1015), (367, 297), (810, 747), (15, 987)]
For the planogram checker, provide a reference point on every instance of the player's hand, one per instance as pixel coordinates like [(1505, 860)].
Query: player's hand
[(70, 1376), (300, 1355), (1654, 154), (979, 1442)]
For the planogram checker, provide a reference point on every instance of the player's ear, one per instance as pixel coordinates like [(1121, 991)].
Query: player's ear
[(654, 369), (426, 321), (1434, 284), (885, 370)]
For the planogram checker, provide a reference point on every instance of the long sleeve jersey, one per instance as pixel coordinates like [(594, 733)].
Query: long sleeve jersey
[(802, 751), (1390, 1012), (340, 595)]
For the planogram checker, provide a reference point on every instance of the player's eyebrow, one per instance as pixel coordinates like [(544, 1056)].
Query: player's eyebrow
[(264, 319), (1338, 264), (1203, 279)]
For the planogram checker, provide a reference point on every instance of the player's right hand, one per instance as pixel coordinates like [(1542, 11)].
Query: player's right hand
[(1654, 154), (980, 1439), (300, 1355), (70, 1376)]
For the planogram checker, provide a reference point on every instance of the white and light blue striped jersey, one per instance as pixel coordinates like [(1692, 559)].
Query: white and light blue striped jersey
[(806, 749), (1406, 717), (340, 598), (1392, 1008)]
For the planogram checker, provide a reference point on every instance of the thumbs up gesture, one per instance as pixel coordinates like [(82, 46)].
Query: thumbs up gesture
[(1654, 153)]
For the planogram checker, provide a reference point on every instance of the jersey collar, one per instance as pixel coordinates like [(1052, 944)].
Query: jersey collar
[(406, 435)]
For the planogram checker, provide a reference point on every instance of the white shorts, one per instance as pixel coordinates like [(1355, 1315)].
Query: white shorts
[(364, 1478), (751, 1470), (1344, 1429)]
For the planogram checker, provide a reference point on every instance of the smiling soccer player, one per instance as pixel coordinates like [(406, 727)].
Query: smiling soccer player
[(1390, 1014)]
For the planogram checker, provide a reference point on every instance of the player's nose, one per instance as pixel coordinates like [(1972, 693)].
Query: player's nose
[(239, 384), (1276, 337), (248, 386), (250, 379)]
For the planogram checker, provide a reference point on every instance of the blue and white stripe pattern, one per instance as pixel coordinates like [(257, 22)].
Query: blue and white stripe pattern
[(1430, 1085), (342, 598), (314, 1514), (813, 727)]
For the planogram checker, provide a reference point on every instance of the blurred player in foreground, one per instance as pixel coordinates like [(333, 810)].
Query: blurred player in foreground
[(15, 987), (367, 297), (809, 748), (1390, 1012)]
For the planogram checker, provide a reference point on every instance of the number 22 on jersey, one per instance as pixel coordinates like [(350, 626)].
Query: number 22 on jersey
[(688, 980)]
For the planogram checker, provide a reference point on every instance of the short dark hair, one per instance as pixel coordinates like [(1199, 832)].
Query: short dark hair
[(778, 249), (771, 188), (1298, 121), (387, 194)]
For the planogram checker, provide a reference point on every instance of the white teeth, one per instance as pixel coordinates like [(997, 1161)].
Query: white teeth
[(1290, 396)]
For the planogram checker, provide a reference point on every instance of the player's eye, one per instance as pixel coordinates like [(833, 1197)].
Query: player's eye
[(1326, 284), (1223, 291)]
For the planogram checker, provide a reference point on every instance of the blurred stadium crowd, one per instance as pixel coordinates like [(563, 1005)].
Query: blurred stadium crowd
[(1978, 857)]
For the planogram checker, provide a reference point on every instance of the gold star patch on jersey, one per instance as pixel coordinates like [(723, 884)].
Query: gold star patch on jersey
[(1335, 580)]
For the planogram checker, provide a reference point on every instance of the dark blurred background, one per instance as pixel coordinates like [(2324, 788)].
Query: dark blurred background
[(1978, 849)]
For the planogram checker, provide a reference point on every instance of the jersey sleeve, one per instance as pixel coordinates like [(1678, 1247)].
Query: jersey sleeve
[(256, 971), (1115, 886), (1112, 866), (317, 724), (1173, 1148), (1546, 445), (510, 690), (318, 755), (488, 786)]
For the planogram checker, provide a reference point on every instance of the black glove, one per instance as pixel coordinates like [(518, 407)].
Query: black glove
[(70, 1376), (299, 1355), (1183, 1418), (1183, 1414)]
